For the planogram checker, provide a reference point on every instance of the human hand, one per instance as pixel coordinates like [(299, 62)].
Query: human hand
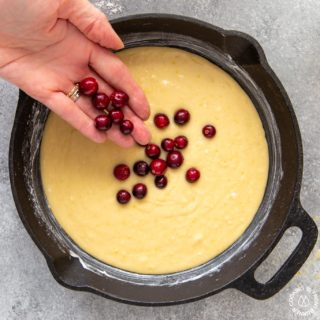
[(47, 46)]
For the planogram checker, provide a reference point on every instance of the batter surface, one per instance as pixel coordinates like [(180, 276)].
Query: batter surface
[(183, 225)]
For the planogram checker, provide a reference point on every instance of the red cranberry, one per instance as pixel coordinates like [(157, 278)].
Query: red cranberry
[(141, 168), (100, 101), (181, 116), (116, 115), (161, 120), (88, 86), (174, 159), (119, 98), (139, 190), (192, 175), (160, 181), (123, 196), (181, 142), (152, 151), (167, 144), (209, 131), (158, 167), (103, 122), (121, 171), (126, 127)]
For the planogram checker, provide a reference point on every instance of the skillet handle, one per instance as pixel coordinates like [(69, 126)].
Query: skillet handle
[(250, 286)]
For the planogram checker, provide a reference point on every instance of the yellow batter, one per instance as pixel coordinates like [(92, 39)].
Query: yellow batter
[(184, 225)]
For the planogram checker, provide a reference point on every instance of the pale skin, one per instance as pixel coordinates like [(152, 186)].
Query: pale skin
[(47, 46)]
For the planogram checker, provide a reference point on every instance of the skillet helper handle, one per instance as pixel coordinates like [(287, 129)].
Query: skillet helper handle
[(250, 286)]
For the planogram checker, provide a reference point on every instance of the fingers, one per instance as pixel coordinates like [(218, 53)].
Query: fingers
[(64, 107), (91, 22), (113, 134), (140, 133), (84, 104), (113, 71)]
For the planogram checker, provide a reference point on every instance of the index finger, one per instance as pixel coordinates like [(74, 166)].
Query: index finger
[(115, 72)]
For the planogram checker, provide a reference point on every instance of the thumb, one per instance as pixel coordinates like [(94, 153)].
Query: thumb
[(91, 22)]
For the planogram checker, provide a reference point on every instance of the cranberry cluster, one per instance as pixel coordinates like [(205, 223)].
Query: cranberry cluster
[(111, 106), (158, 166)]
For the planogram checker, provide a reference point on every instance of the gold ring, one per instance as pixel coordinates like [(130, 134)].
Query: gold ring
[(74, 94)]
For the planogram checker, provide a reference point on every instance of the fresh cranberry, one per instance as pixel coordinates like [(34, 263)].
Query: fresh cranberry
[(192, 175), (181, 116), (103, 122), (161, 120), (126, 127), (160, 181), (139, 190), (158, 167), (141, 168), (123, 196), (174, 159), (181, 142), (88, 86), (100, 101), (116, 115), (119, 98), (209, 131), (121, 171), (152, 151), (167, 144)]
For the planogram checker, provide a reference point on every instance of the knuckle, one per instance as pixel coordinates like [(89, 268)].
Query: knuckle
[(99, 139), (49, 100), (139, 94), (118, 68), (94, 27), (141, 101)]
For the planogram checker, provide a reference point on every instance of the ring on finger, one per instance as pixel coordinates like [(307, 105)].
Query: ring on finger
[(74, 93)]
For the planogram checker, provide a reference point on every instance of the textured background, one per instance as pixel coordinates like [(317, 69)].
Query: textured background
[(289, 32)]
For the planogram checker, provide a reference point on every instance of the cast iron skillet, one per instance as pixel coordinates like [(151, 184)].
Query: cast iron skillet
[(242, 57)]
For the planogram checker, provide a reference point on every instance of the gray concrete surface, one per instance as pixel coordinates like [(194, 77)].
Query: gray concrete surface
[(289, 31)]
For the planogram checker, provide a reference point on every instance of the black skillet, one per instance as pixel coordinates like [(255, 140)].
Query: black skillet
[(242, 57)]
